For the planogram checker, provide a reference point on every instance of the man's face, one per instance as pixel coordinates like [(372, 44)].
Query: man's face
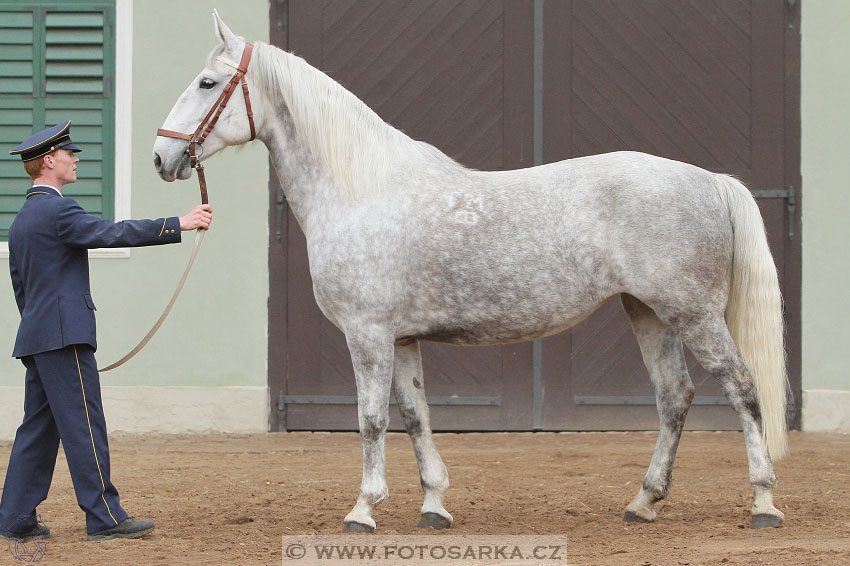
[(64, 165)]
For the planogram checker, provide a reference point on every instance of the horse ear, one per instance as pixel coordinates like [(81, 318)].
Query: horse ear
[(222, 32)]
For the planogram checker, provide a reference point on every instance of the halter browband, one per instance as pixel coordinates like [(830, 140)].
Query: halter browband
[(208, 123)]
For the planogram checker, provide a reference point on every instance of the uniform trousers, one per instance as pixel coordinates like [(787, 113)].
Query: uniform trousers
[(62, 402)]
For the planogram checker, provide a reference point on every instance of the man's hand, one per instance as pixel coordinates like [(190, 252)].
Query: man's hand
[(198, 217)]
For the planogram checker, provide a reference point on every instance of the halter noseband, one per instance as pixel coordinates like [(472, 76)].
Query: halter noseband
[(208, 123)]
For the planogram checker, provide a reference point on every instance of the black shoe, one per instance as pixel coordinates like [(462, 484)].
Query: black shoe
[(38, 531), (128, 528)]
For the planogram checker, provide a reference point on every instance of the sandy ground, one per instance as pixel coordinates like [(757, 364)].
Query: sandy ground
[(227, 499)]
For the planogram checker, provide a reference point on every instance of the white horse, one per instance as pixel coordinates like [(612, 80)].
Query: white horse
[(405, 245)]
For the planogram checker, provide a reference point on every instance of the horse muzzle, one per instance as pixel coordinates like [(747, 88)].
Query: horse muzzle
[(169, 168)]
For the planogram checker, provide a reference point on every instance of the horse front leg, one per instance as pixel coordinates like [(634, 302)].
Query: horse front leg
[(372, 357), (409, 387)]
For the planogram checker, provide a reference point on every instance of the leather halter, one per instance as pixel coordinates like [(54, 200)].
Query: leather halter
[(208, 123)]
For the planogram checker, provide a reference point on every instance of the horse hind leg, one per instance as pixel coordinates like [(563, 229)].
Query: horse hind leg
[(662, 353), (409, 388), (711, 343)]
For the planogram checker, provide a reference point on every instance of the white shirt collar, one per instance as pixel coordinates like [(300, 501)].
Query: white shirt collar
[(58, 192)]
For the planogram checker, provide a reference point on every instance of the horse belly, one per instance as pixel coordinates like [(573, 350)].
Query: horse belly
[(470, 331), (474, 309)]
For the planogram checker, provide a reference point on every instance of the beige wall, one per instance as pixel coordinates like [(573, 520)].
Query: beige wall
[(826, 214), (216, 335)]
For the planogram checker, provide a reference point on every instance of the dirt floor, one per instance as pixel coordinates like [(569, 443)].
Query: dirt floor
[(227, 499)]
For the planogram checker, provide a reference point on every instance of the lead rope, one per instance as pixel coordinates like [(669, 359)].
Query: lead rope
[(199, 237)]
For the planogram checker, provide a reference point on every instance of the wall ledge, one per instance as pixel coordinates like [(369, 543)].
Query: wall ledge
[(826, 410), (242, 409), (169, 409)]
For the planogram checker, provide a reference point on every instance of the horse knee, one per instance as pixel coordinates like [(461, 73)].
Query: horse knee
[(688, 393), (412, 425), (673, 405), (373, 427), (410, 417), (686, 396), (681, 397)]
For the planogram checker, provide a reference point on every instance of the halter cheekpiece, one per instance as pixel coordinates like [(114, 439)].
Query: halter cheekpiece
[(206, 126)]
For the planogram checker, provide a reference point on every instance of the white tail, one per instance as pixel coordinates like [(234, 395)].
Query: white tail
[(754, 312)]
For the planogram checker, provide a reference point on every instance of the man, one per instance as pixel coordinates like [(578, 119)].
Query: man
[(48, 261)]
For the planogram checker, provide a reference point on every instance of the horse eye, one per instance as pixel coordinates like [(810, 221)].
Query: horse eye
[(207, 83)]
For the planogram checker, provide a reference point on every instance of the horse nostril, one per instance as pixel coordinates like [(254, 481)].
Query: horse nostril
[(157, 160)]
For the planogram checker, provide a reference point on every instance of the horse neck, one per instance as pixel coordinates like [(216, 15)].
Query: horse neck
[(329, 149), (307, 184), (357, 147)]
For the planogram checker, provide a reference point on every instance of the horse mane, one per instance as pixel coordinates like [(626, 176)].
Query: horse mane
[(358, 147)]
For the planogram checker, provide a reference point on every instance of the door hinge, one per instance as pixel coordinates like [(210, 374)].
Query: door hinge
[(790, 197), (282, 12), (280, 210), (281, 411), (790, 5)]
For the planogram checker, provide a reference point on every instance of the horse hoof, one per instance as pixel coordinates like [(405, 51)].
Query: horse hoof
[(355, 527), (434, 520), (765, 521), (631, 517)]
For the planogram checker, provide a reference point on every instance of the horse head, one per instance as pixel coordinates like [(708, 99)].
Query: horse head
[(232, 127)]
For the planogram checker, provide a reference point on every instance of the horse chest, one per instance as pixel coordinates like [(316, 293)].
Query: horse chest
[(352, 275)]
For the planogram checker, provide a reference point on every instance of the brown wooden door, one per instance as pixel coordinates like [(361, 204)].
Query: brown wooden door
[(456, 74), (714, 83), (702, 82)]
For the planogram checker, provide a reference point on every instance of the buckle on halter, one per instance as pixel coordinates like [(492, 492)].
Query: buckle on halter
[(195, 158)]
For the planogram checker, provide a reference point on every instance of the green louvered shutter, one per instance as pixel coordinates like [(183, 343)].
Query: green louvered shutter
[(57, 62), (18, 86)]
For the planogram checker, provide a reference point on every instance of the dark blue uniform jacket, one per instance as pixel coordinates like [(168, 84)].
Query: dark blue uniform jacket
[(48, 258)]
